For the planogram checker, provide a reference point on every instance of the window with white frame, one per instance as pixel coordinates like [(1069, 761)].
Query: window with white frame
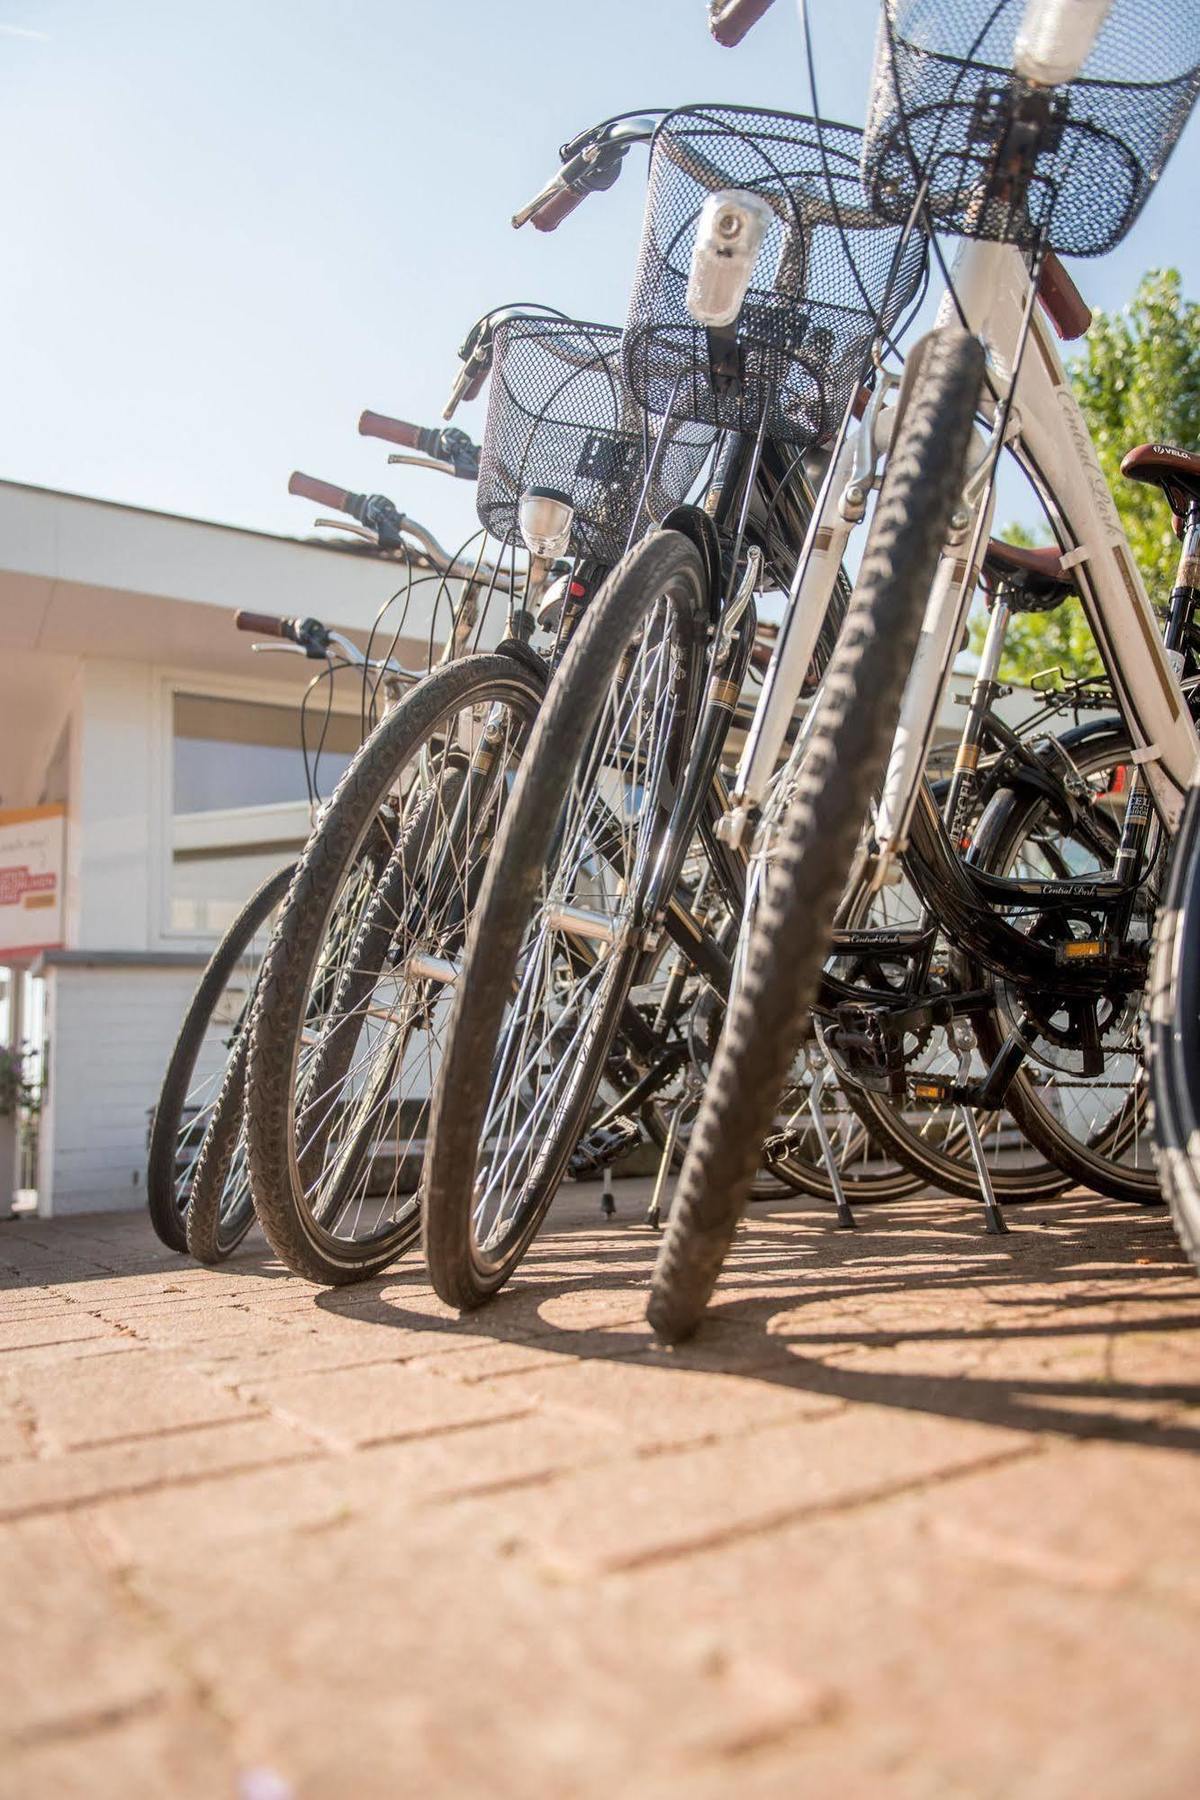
[(239, 796)]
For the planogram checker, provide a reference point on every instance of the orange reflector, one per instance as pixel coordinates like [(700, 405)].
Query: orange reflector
[(1079, 949)]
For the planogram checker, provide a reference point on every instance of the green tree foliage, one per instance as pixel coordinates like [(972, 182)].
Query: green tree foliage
[(1139, 383)]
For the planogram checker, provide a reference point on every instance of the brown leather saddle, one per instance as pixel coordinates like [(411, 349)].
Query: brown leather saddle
[(1175, 471), (1033, 580)]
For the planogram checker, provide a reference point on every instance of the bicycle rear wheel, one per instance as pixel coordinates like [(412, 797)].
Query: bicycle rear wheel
[(820, 833), (1082, 1097)]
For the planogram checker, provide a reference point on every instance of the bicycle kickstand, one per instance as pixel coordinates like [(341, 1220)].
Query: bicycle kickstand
[(654, 1210), (961, 1039)]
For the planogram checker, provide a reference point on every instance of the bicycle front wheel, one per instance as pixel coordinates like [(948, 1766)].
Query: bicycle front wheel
[(356, 991), (195, 1093), (819, 835), (1175, 1032), (559, 934)]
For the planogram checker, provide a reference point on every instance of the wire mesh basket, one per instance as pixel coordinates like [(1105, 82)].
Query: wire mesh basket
[(1070, 167), (827, 273), (559, 416)]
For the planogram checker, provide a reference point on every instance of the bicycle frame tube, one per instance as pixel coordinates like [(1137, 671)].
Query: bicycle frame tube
[(812, 590), (992, 285)]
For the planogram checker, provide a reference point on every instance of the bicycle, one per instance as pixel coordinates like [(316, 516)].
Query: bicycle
[(197, 1184), (1174, 981), (634, 723), (351, 1008), (1000, 158)]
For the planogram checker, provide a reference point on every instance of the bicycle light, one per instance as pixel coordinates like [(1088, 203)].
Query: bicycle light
[(1055, 38), (546, 518), (729, 235)]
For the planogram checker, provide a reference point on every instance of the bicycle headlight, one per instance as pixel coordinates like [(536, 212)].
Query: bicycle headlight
[(729, 235), (546, 517)]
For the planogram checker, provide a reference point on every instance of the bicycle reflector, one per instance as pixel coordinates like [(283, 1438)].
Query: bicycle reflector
[(1055, 38), (546, 517), (729, 235)]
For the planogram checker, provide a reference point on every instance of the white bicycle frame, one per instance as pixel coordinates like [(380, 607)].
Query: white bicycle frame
[(1046, 430)]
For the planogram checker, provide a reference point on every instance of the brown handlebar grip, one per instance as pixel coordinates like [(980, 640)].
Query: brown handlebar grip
[(262, 624), (322, 492), (730, 20), (551, 215), (392, 431), (1068, 311)]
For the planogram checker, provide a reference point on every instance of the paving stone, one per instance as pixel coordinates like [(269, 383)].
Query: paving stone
[(631, 1514), (660, 1406), (143, 1752), (377, 1489), (53, 1483), (78, 1650), (104, 1400), (39, 1332), (379, 1403)]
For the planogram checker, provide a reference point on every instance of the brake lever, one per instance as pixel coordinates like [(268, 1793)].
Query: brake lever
[(423, 462), (360, 531)]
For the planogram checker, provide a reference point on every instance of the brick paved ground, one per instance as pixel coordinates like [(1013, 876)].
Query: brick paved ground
[(918, 1515)]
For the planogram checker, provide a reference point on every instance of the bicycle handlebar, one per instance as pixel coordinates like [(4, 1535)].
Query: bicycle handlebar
[(551, 213), (390, 526), (309, 634), (323, 493), (445, 445), (397, 431), (590, 163), (730, 20)]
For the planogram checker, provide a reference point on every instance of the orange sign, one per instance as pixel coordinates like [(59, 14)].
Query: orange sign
[(31, 878)]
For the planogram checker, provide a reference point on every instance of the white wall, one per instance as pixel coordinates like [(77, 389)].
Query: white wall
[(115, 753), (110, 1032)]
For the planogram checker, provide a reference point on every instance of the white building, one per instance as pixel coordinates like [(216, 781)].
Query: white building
[(128, 699)]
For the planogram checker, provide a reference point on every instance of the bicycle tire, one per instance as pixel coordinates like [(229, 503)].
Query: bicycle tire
[(215, 1224), (1088, 1163), (1175, 1032), (167, 1214), (664, 565), (279, 1014), (1090, 745), (820, 832)]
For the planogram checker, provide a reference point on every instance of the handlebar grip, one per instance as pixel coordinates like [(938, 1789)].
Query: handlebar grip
[(730, 20), (266, 625), (551, 214), (392, 431), (322, 492)]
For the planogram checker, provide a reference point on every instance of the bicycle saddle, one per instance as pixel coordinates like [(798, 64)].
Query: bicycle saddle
[(1033, 580), (1176, 472)]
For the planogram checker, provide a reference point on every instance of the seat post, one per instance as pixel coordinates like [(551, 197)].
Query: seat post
[(984, 691), (1179, 636)]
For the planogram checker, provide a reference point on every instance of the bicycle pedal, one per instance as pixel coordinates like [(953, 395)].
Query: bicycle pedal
[(597, 1150)]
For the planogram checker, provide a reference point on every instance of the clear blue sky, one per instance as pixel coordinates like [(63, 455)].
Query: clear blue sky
[(230, 226)]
